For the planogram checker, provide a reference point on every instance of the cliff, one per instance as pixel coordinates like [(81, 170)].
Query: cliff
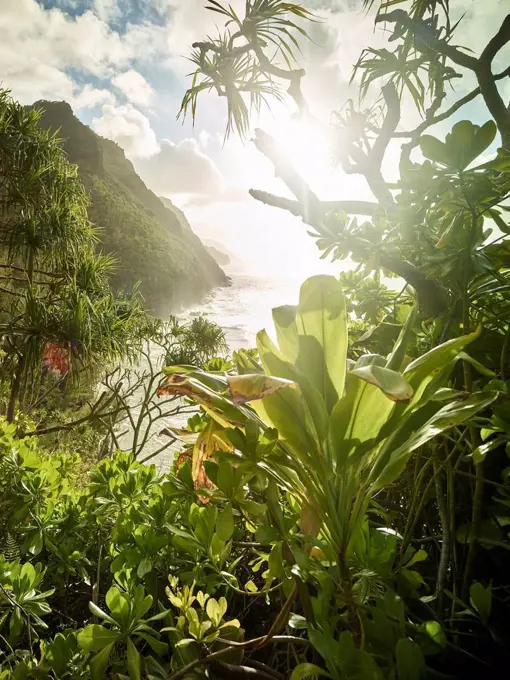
[(153, 242)]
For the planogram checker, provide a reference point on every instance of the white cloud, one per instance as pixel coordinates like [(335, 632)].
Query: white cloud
[(135, 87), (38, 47), (89, 97), (57, 39), (106, 9), (30, 80), (129, 128), (181, 169)]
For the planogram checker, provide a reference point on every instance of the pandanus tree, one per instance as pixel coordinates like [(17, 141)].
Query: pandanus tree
[(56, 301), (345, 431)]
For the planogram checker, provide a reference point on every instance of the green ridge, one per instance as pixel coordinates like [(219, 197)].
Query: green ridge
[(153, 243)]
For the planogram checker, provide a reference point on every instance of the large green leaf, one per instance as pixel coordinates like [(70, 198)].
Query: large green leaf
[(94, 637), (410, 661), (467, 141), (133, 661), (284, 319), (249, 387), (430, 372), (358, 417), (390, 382), (309, 407), (321, 315), (99, 663), (118, 604), (433, 149), (398, 353), (397, 450)]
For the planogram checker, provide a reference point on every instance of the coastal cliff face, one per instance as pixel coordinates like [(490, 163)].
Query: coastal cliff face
[(152, 241)]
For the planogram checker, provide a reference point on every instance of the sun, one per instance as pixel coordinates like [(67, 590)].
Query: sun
[(307, 147)]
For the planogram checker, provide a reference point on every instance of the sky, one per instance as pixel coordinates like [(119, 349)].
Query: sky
[(122, 66)]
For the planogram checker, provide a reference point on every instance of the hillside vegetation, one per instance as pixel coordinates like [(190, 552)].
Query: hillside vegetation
[(153, 243)]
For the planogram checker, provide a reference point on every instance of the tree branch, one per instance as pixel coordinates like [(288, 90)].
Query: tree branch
[(427, 40), (285, 171), (487, 83), (295, 207), (426, 36), (388, 127)]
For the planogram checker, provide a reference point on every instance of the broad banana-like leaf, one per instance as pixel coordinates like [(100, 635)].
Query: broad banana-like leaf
[(397, 356), (284, 319), (221, 409), (286, 409), (431, 371), (213, 382), (396, 451), (322, 329), (390, 382), (357, 418), (210, 440), (186, 436), (252, 386), (315, 408)]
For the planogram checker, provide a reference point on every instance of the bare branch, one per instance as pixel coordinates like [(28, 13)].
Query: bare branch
[(294, 207), (391, 120), (268, 146)]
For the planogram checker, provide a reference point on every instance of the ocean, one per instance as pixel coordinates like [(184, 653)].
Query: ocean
[(241, 310), (244, 308)]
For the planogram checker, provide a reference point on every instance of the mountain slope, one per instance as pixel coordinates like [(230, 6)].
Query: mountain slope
[(153, 242)]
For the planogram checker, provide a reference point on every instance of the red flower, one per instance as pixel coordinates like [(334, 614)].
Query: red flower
[(56, 358)]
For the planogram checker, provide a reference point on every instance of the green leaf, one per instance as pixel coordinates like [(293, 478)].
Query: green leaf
[(225, 524), (133, 660), (99, 663), (193, 622), (431, 371), (410, 661), (161, 648), (481, 451), (419, 556), (118, 604), (397, 356), (321, 315), (358, 417), (390, 382), (298, 622), (216, 609), (144, 567), (481, 600), (284, 319), (391, 461), (267, 534), (97, 611), (249, 387), (35, 544), (434, 150), (95, 637), (435, 632), (308, 670), (309, 417)]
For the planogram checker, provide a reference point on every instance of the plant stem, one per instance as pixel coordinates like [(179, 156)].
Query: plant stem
[(15, 387), (446, 538)]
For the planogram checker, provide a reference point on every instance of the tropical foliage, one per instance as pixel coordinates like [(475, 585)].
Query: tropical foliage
[(338, 506), (58, 312)]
